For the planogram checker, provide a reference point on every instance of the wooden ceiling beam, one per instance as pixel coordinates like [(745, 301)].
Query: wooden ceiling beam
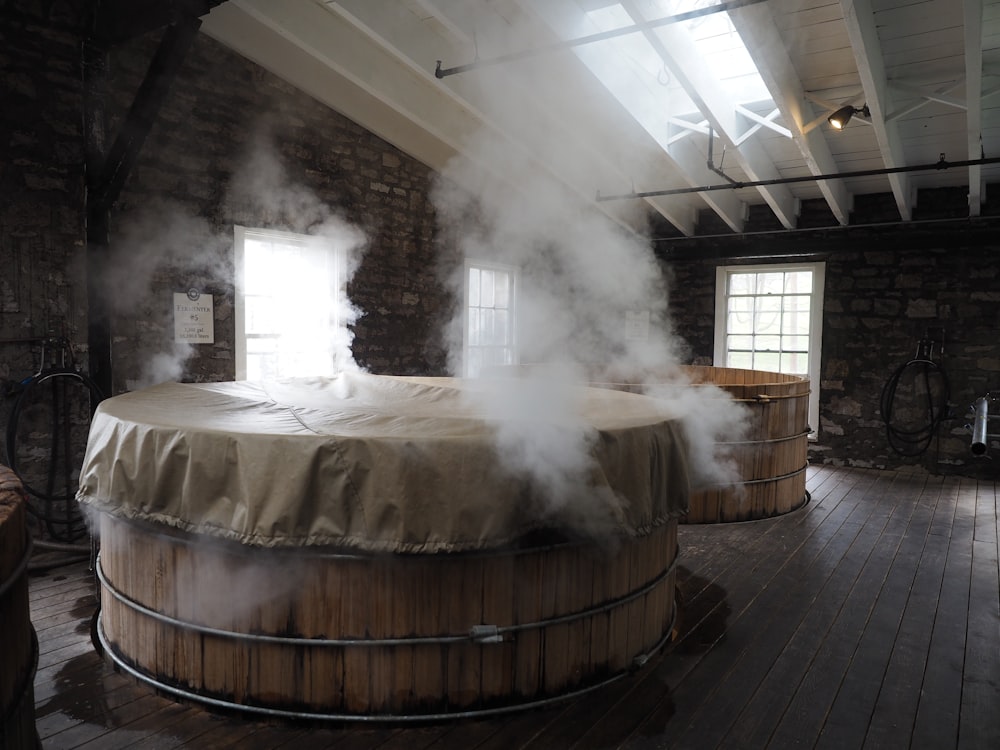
[(682, 59), (757, 27), (860, 19), (973, 14)]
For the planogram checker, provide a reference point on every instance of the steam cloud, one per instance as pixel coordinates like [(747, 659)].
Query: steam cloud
[(166, 248), (583, 277)]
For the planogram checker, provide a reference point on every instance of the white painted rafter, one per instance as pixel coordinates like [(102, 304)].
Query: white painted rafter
[(860, 20), (758, 29), (676, 212), (682, 58), (924, 97), (562, 16), (765, 121), (973, 14)]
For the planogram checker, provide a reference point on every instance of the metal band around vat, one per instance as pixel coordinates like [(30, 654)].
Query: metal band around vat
[(742, 482), (785, 439), (476, 634), (763, 398), (637, 662)]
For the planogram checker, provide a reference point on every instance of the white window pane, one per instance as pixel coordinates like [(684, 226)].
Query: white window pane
[(770, 283), (474, 283), (798, 303), (740, 315), (767, 315), (796, 323), (741, 283), (742, 360), (767, 343), (740, 342), (795, 343), (260, 315), (770, 361), (486, 291), (501, 289), (794, 363), (475, 327), (500, 327), (798, 282)]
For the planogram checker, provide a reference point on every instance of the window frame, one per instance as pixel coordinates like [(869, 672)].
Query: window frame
[(818, 269), (240, 235), (471, 263)]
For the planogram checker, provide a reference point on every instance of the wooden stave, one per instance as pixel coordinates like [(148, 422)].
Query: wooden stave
[(473, 678)]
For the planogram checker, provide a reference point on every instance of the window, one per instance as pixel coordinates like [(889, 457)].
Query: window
[(771, 318), (488, 334), (289, 294)]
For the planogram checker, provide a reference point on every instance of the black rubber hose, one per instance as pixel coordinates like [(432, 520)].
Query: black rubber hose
[(914, 442), (74, 525)]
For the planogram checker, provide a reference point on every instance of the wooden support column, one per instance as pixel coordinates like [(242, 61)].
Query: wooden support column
[(107, 171)]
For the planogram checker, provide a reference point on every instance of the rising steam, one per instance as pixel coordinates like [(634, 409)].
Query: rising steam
[(165, 248), (585, 280)]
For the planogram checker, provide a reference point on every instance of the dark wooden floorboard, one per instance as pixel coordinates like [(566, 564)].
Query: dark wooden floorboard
[(868, 618), (785, 684), (980, 716), (936, 722), (896, 707)]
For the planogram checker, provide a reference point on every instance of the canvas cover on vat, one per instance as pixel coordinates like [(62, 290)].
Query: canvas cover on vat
[(381, 463)]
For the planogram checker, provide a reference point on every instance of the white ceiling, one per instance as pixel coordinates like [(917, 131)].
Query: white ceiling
[(600, 120)]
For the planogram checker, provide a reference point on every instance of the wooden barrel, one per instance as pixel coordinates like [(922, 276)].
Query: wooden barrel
[(773, 455), (18, 645), (319, 633)]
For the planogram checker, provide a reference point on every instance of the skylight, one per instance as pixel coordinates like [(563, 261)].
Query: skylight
[(718, 45)]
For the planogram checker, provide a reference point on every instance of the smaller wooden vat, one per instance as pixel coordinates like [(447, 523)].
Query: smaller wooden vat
[(773, 455), (317, 633), (19, 645)]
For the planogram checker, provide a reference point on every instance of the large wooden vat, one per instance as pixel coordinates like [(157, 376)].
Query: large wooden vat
[(18, 644), (317, 633), (771, 457)]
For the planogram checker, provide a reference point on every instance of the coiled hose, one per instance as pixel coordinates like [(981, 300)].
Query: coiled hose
[(913, 436), (65, 522)]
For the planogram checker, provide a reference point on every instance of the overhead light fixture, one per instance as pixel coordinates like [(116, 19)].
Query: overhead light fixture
[(842, 116)]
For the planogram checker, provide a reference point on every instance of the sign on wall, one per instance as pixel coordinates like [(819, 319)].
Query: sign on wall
[(194, 320)]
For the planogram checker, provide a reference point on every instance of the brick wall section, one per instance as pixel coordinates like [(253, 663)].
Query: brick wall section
[(220, 111), (878, 304), (41, 189), (882, 293)]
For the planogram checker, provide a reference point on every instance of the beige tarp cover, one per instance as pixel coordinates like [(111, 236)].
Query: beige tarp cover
[(371, 462)]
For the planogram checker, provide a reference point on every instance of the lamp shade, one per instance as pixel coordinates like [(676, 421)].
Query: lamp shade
[(841, 117)]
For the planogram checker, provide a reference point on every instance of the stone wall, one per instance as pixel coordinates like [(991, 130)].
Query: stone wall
[(881, 299), (234, 145), (172, 227), (42, 189)]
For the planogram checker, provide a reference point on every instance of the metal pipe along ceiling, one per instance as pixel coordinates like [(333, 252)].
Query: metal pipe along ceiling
[(941, 164), (440, 72)]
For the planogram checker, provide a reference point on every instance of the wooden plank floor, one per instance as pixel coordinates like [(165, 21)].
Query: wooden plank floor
[(870, 618)]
